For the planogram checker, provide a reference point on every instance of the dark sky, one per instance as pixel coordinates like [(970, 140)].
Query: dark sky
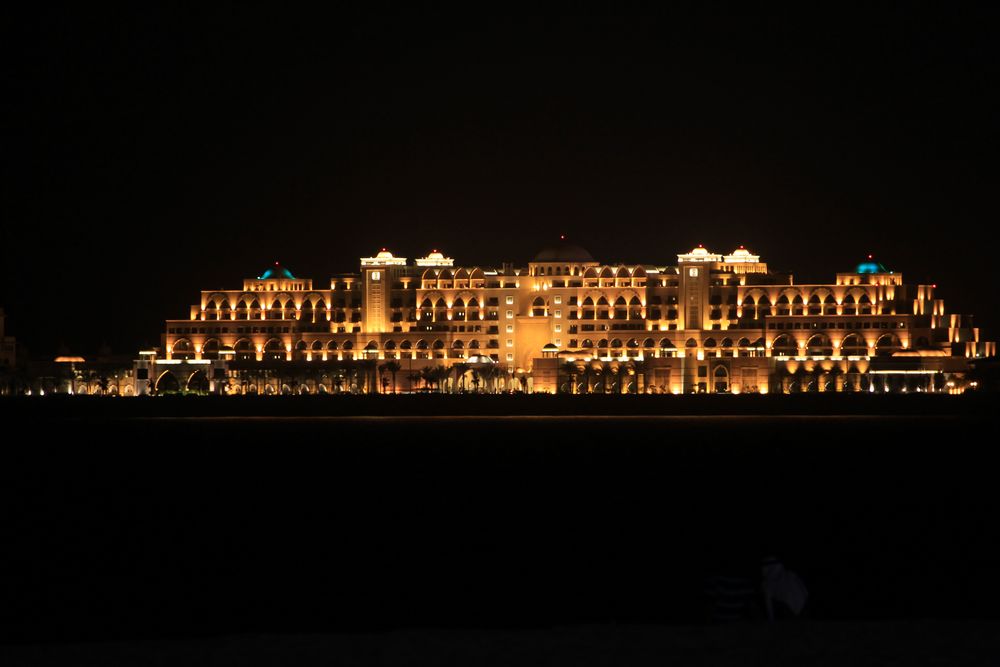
[(150, 153)]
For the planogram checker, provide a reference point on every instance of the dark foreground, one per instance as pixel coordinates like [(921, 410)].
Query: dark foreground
[(118, 527), (347, 405), (795, 644)]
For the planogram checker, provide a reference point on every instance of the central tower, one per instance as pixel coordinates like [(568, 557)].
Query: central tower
[(381, 272)]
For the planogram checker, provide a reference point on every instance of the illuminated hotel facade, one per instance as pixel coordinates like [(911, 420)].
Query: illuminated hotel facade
[(709, 323)]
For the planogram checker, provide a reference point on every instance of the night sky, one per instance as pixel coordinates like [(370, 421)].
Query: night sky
[(151, 153)]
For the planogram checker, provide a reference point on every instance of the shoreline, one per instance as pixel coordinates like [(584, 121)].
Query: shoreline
[(484, 405)]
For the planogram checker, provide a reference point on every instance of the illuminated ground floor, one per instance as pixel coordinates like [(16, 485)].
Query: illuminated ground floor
[(557, 374)]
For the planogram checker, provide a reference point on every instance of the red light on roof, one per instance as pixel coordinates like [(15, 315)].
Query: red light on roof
[(934, 286), (869, 256), (562, 237)]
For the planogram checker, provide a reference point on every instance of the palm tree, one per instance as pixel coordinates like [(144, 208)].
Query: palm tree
[(414, 378), (441, 373), (392, 367), (490, 374), (428, 376), (351, 374), (102, 381), (339, 377)]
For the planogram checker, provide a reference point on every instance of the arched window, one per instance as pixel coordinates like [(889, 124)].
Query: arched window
[(210, 349), (819, 345), (784, 346), (853, 346), (887, 344), (829, 305)]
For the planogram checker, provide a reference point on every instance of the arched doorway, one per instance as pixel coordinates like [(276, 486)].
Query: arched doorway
[(198, 382), (721, 380), (167, 382)]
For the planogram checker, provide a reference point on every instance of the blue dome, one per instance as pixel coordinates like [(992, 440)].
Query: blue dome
[(277, 271), (871, 267)]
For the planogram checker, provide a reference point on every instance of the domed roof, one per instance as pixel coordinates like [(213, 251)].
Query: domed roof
[(434, 254), (384, 254), (871, 266), (480, 359), (276, 272), (564, 252)]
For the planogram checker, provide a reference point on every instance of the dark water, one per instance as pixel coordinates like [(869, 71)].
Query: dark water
[(148, 527)]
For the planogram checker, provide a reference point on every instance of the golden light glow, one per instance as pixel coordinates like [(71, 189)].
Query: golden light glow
[(587, 324)]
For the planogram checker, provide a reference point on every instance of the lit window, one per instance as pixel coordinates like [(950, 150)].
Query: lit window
[(693, 272), (559, 342), (510, 328), (510, 300), (510, 342), (376, 275), (558, 328), (558, 313), (558, 300), (510, 356), (510, 314)]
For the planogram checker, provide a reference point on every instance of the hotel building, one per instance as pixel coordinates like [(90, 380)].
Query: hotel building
[(565, 322)]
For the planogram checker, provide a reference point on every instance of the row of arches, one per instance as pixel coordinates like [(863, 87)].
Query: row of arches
[(821, 345), (459, 302), (211, 349), (460, 273), (819, 302)]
